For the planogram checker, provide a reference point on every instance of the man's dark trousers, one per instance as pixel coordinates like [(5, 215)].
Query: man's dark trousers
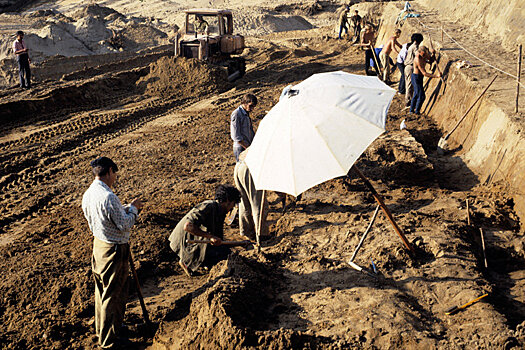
[(419, 93), (401, 89), (24, 71)]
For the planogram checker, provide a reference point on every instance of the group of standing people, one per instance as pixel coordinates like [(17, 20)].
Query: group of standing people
[(110, 223), (354, 23), (412, 61)]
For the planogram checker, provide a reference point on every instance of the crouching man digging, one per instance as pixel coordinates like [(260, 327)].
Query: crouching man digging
[(205, 221)]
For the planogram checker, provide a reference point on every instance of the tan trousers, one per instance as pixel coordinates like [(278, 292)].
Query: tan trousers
[(385, 62), (251, 201), (409, 89), (110, 270)]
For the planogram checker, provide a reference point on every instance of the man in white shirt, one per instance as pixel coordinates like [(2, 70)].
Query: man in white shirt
[(110, 223)]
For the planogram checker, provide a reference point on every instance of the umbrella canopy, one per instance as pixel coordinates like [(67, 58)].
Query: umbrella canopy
[(317, 131)]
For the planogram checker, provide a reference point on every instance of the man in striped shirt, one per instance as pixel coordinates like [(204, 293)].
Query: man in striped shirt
[(110, 223)]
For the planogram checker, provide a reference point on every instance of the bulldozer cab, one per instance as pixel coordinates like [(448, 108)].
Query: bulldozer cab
[(208, 22)]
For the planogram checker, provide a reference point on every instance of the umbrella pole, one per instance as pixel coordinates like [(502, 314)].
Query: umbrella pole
[(384, 207), (259, 223)]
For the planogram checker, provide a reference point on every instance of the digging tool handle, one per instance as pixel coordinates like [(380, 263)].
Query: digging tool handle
[(365, 234), (209, 241), (139, 290), (437, 64), (376, 61), (472, 106), (455, 309), (384, 207)]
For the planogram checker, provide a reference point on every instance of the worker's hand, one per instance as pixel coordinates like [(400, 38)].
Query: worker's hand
[(215, 240), (438, 75), (137, 203)]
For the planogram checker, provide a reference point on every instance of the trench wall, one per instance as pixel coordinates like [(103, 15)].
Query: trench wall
[(492, 141), (502, 19)]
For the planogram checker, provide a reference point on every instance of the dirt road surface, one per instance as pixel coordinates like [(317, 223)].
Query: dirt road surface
[(166, 124)]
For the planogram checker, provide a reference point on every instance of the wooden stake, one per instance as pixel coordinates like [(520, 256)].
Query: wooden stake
[(468, 214), (139, 291), (483, 246), (442, 39), (518, 77), (385, 209)]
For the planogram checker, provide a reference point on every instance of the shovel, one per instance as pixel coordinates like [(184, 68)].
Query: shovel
[(442, 144), (228, 243), (455, 309)]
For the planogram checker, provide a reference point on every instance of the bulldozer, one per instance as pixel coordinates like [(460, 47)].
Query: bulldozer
[(207, 35)]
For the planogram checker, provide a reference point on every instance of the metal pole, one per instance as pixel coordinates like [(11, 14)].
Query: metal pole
[(518, 77), (385, 209), (259, 224), (365, 234)]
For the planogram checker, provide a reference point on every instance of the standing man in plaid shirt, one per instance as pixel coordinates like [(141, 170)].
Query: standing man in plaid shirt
[(110, 223)]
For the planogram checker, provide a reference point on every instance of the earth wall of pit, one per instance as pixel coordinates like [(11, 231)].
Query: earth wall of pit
[(490, 141)]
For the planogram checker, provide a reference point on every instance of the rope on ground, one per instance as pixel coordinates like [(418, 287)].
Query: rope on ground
[(469, 52)]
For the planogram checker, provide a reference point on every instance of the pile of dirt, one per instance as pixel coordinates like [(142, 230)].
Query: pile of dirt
[(183, 77), (93, 29), (234, 309)]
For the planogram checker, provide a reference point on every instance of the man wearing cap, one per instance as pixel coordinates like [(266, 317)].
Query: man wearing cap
[(110, 222)]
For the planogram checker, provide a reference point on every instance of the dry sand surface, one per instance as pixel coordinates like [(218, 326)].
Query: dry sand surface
[(165, 121)]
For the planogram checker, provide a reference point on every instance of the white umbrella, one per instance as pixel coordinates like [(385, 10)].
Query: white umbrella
[(317, 131)]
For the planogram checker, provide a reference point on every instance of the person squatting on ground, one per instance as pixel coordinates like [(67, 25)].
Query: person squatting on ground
[(22, 57), (417, 39), (391, 45), (343, 21), (367, 42), (356, 25), (204, 221), (423, 56), (241, 128), (110, 223), (251, 202)]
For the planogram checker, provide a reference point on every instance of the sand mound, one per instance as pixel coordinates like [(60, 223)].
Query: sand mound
[(94, 10), (183, 77), (233, 310), (91, 30), (266, 23)]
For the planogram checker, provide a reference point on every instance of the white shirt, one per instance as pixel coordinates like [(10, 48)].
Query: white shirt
[(108, 220), (402, 54)]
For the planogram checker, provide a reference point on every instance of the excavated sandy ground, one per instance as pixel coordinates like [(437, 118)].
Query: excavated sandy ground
[(166, 123)]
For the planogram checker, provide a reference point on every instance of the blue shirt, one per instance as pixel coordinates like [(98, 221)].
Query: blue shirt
[(241, 128)]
